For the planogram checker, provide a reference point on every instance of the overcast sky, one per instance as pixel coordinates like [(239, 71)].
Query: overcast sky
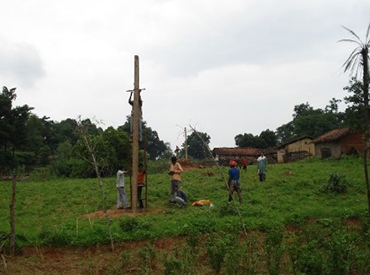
[(226, 67)]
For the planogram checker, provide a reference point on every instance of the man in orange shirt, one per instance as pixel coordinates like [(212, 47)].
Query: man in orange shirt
[(140, 184)]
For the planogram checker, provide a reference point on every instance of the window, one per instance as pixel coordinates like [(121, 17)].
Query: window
[(325, 153)]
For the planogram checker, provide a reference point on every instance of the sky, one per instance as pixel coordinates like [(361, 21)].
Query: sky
[(224, 67)]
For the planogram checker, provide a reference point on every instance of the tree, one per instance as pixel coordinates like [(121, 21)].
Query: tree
[(246, 140), (285, 133), (196, 147), (13, 132), (354, 112), (358, 62), (308, 121), (155, 147), (265, 139)]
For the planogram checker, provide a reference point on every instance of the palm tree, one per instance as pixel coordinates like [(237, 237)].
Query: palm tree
[(358, 62)]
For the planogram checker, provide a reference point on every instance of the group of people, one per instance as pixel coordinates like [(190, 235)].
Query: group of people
[(234, 176), (178, 196), (122, 202)]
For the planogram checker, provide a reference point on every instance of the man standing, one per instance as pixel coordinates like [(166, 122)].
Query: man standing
[(121, 193), (234, 184), (140, 184), (244, 163), (175, 173), (262, 167)]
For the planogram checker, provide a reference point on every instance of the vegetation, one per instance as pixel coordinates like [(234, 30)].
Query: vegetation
[(40, 143), (358, 61), (62, 212), (307, 121)]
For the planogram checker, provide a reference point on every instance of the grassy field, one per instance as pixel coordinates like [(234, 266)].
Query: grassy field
[(55, 210), (55, 213)]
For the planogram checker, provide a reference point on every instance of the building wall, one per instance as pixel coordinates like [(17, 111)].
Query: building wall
[(348, 144), (280, 155), (298, 146), (333, 147), (352, 141), (301, 145)]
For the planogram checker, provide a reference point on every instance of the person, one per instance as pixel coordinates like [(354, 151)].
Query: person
[(262, 167), (140, 184), (179, 197), (177, 150), (121, 193), (131, 102), (175, 174), (233, 182), (244, 163)]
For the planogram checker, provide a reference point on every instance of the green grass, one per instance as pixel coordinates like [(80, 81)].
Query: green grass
[(50, 212)]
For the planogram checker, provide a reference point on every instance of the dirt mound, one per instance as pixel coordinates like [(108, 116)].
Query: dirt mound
[(187, 164), (117, 213)]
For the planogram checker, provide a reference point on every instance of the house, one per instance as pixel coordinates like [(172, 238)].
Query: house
[(296, 149), (338, 142), (225, 154)]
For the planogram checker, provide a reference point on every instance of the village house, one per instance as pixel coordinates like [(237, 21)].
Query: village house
[(225, 154), (296, 149), (338, 142)]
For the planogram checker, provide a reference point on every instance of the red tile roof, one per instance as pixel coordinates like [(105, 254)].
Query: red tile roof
[(332, 135), (236, 151)]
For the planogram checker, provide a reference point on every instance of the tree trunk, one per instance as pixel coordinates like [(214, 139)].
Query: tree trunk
[(12, 217), (365, 55)]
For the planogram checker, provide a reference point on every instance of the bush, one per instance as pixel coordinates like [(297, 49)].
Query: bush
[(55, 238), (274, 249), (217, 247), (172, 265), (337, 184), (129, 224), (40, 174)]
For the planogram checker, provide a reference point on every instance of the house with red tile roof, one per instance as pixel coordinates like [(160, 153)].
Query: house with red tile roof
[(338, 142)]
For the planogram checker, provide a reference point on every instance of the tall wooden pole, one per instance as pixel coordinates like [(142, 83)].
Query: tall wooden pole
[(186, 143), (135, 137), (12, 217)]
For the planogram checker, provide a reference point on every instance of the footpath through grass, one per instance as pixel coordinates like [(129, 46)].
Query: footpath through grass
[(53, 212)]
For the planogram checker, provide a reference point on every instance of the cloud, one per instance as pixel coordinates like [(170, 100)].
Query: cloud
[(21, 64)]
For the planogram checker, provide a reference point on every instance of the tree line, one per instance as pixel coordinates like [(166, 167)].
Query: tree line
[(309, 121), (29, 141)]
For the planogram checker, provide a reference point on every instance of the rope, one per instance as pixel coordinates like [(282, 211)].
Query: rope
[(222, 174)]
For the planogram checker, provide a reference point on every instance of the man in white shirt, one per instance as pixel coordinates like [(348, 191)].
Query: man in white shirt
[(121, 193)]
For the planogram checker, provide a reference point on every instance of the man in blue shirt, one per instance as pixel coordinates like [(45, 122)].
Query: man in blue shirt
[(234, 184)]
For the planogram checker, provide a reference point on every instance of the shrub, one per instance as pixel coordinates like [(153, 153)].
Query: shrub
[(55, 238), (40, 174), (251, 254), (274, 249), (309, 259), (172, 265), (217, 247), (129, 224), (337, 184), (147, 255)]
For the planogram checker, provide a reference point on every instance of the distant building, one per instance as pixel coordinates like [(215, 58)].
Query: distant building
[(338, 142), (296, 149), (225, 154)]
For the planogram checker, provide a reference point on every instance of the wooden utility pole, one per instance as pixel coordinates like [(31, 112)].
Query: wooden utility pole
[(186, 144), (12, 217), (135, 137)]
